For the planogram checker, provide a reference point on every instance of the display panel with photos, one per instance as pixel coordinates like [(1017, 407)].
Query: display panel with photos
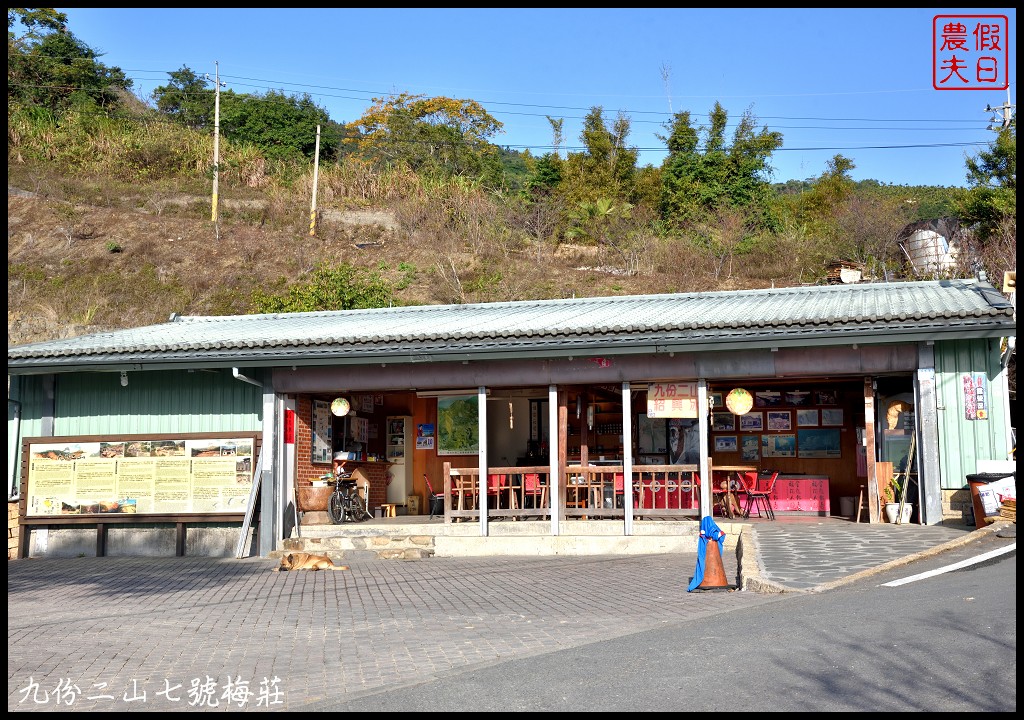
[(135, 475)]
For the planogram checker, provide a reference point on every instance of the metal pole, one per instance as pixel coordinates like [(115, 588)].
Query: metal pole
[(316, 176)]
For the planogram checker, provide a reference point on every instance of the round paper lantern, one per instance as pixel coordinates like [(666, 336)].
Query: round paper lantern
[(340, 407), (739, 401)]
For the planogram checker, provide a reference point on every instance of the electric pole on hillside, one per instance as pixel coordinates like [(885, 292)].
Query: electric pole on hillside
[(216, 135), (1007, 111), (316, 175)]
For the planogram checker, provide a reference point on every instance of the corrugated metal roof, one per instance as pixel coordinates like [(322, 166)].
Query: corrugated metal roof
[(864, 313)]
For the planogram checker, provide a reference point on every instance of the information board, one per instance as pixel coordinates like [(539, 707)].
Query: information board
[(139, 476)]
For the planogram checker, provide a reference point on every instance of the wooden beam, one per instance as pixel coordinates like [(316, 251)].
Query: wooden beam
[(869, 441)]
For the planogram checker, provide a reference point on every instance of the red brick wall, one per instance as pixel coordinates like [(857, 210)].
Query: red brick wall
[(305, 470)]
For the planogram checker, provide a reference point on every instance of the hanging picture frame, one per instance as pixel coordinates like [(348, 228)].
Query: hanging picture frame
[(780, 420), (723, 422), (819, 443), (807, 417), (778, 446), (752, 422), (458, 430), (750, 447), (831, 417), (725, 443)]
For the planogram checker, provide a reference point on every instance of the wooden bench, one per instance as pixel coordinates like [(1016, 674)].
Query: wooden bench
[(389, 509)]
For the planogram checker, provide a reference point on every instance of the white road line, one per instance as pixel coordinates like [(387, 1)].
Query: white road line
[(954, 566)]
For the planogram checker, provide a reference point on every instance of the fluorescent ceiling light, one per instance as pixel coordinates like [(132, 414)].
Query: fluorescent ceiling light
[(447, 393)]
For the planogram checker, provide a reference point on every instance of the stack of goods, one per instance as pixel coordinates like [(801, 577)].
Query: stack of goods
[(1008, 509)]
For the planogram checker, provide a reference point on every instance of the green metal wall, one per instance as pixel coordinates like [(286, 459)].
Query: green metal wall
[(963, 442), (156, 402), (29, 392), (28, 396)]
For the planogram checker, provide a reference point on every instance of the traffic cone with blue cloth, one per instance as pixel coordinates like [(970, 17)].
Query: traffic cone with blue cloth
[(710, 573)]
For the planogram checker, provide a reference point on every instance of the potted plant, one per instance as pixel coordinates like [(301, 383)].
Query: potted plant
[(893, 491)]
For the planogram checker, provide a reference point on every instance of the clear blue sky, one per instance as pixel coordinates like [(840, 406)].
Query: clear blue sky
[(851, 81)]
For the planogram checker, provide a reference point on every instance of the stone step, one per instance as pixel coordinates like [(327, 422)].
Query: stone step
[(350, 547)]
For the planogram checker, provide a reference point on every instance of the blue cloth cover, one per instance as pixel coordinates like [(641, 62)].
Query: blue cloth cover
[(708, 531)]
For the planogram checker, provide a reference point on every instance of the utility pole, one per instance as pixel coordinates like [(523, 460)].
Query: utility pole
[(316, 176), (1006, 109), (216, 135)]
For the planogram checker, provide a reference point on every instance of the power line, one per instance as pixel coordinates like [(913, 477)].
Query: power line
[(270, 85)]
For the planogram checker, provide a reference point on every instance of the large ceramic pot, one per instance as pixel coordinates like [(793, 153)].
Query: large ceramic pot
[(892, 511), (312, 499)]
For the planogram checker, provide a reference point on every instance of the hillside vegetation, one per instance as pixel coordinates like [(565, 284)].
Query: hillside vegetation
[(111, 222)]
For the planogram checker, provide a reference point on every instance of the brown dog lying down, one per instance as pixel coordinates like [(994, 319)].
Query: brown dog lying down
[(306, 561)]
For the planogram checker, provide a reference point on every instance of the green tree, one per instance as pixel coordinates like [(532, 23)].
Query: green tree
[(702, 172), (283, 127), (436, 136), (47, 66), (187, 98), (992, 177), (989, 207), (606, 167), (819, 205)]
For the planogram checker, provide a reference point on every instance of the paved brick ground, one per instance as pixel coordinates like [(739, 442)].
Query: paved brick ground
[(143, 625)]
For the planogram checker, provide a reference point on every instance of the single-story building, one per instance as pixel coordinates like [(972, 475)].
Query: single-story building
[(147, 439)]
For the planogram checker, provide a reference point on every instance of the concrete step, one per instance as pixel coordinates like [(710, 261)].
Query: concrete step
[(350, 547), (409, 540)]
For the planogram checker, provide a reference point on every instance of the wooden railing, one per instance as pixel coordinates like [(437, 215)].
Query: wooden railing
[(588, 492)]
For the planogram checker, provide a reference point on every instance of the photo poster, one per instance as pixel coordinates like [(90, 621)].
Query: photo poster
[(458, 425), (425, 436), (779, 420), (767, 398), (359, 428), (683, 441), (750, 447), (652, 434), (322, 432), (157, 475), (723, 422), (818, 443), (831, 417), (806, 417), (725, 443), (752, 422), (778, 446)]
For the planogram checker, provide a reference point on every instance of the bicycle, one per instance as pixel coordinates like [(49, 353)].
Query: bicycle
[(345, 505)]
